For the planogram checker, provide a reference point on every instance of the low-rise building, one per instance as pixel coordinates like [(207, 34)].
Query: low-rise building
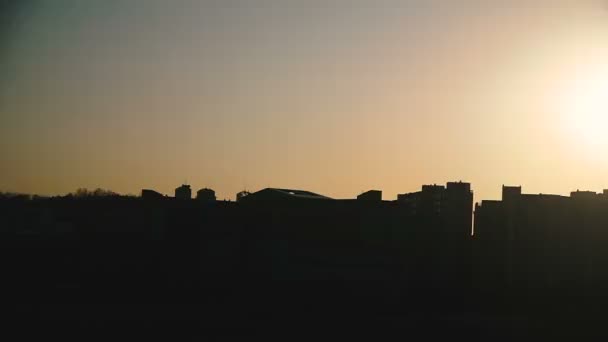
[(183, 192), (371, 195), (206, 194)]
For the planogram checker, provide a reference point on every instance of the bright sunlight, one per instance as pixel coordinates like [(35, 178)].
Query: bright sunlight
[(586, 110)]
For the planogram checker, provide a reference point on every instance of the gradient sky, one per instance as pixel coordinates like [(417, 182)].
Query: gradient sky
[(335, 97)]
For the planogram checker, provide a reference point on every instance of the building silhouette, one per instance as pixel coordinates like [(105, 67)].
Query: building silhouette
[(183, 192), (151, 194), (427, 202), (270, 194), (450, 206), (371, 195), (206, 194), (280, 251), (533, 241), (242, 194)]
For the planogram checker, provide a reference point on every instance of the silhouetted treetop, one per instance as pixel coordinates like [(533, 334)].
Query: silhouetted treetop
[(97, 193), (14, 196)]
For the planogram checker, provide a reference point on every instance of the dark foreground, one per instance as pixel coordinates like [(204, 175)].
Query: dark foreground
[(129, 269)]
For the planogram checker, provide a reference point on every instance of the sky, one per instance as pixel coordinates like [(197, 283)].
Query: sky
[(335, 97)]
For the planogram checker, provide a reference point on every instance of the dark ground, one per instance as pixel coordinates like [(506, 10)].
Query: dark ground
[(127, 269)]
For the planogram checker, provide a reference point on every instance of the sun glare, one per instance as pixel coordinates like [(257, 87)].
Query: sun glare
[(586, 111)]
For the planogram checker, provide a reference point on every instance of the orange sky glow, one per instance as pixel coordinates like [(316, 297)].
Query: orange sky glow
[(334, 97)]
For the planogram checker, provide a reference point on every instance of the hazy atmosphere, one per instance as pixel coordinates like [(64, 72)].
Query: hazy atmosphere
[(334, 97)]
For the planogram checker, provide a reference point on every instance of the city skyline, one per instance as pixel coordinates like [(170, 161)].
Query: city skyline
[(336, 97), (186, 191)]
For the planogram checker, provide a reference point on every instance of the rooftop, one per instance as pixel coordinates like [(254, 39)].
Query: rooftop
[(298, 193)]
